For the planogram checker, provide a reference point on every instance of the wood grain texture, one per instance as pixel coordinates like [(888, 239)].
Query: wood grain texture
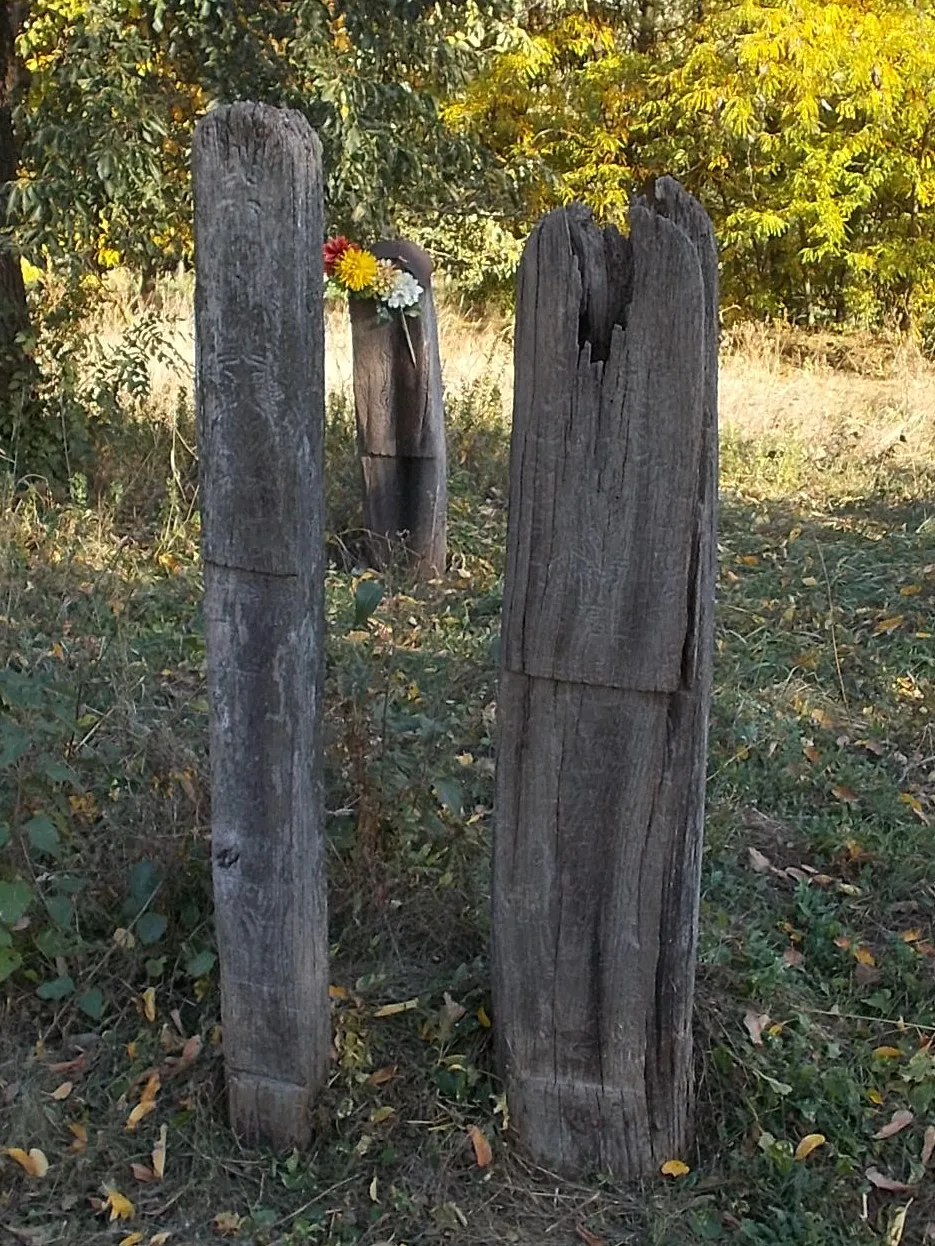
[(260, 395), (605, 685), (401, 423)]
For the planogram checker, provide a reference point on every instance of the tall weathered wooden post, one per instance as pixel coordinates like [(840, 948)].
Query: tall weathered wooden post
[(605, 684), (260, 387), (401, 422)]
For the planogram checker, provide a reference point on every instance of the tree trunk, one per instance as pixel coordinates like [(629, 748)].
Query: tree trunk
[(605, 684), (15, 365), (400, 409), (260, 384)]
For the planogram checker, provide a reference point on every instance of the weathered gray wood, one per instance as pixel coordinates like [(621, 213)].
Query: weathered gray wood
[(401, 423), (260, 384), (605, 684)]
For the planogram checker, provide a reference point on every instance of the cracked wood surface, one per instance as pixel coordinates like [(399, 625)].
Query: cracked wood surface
[(260, 389), (400, 414), (605, 684)]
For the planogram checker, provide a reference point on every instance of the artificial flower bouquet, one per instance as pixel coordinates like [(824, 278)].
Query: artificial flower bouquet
[(354, 272)]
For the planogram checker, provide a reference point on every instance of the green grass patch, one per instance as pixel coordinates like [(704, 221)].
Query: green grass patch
[(816, 980)]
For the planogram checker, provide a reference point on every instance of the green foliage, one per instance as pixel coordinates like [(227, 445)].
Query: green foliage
[(803, 127)]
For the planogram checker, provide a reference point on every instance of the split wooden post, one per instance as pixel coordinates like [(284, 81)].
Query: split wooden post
[(605, 685), (260, 386), (401, 422)]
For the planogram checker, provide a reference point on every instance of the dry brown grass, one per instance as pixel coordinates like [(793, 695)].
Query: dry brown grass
[(868, 391)]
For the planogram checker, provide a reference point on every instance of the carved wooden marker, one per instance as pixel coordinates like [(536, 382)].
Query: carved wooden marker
[(260, 378), (605, 684), (401, 422)]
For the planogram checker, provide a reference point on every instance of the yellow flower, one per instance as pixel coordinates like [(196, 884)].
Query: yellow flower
[(385, 278), (357, 269)]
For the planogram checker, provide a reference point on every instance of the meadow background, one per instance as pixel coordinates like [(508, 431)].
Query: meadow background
[(803, 128)]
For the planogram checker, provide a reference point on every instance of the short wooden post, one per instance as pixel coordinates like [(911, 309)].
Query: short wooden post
[(260, 384), (401, 423), (605, 684)]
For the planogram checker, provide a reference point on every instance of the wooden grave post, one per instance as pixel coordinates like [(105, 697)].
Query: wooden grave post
[(401, 422), (260, 386), (605, 684)]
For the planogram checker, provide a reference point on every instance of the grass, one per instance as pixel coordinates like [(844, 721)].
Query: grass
[(816, 987)]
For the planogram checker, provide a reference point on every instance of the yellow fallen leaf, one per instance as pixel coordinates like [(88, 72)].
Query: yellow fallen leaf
[(80, 1135), (674, 1168), (227, 1223), (148, 999), (874, 1096), (382, 1114), (392, 1010), (885, 626), (338, 992), (910, 590), (482, 1152), (159, 1152), (118, 1205), (34, 1163), (381, 1076), (139, 1113), (863, 955), (63, 1091), (483, 1018), (911, 936), (748, 560), (811, 1142), (159, 1239), (133, 1050), (894, 1231), (131, 1239)]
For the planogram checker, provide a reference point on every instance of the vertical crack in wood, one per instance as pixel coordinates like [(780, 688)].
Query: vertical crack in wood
[(606, 658)]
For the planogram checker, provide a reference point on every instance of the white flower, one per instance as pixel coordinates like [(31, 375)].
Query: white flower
[(406, 291)]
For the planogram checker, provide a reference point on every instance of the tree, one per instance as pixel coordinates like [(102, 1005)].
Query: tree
[(14, 316)]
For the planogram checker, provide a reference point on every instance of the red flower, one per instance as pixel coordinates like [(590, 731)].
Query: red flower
[(333, 249)]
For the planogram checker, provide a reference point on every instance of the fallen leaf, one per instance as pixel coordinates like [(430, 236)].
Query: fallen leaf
[(118, 1205), (674, 1168), (147, 1103), (811, 1142), (148, 999), (190, 1053), (131, 1239), (589, 1238), (911, 936), (910, 590), (928, 1145), (812, 753), (133, 1050), (887, 1053), (898, 1122), (159, 1152), (382, 1114), (842, 942), (373, 1191), (338, 992), (482, 1017), (882, 1182), (142, 1173), (894, 1232), (227, 1223), (63, 1091), (482, 1151), (382, 1076), (874, 1096), (74, 1068), (393, 1010), (449, 1015), (755, 1021), (759, 861), (885, 626), (80, 1135), (159, 1239), (863, 955), (792, 956), (845, 794), (34, 1163)]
